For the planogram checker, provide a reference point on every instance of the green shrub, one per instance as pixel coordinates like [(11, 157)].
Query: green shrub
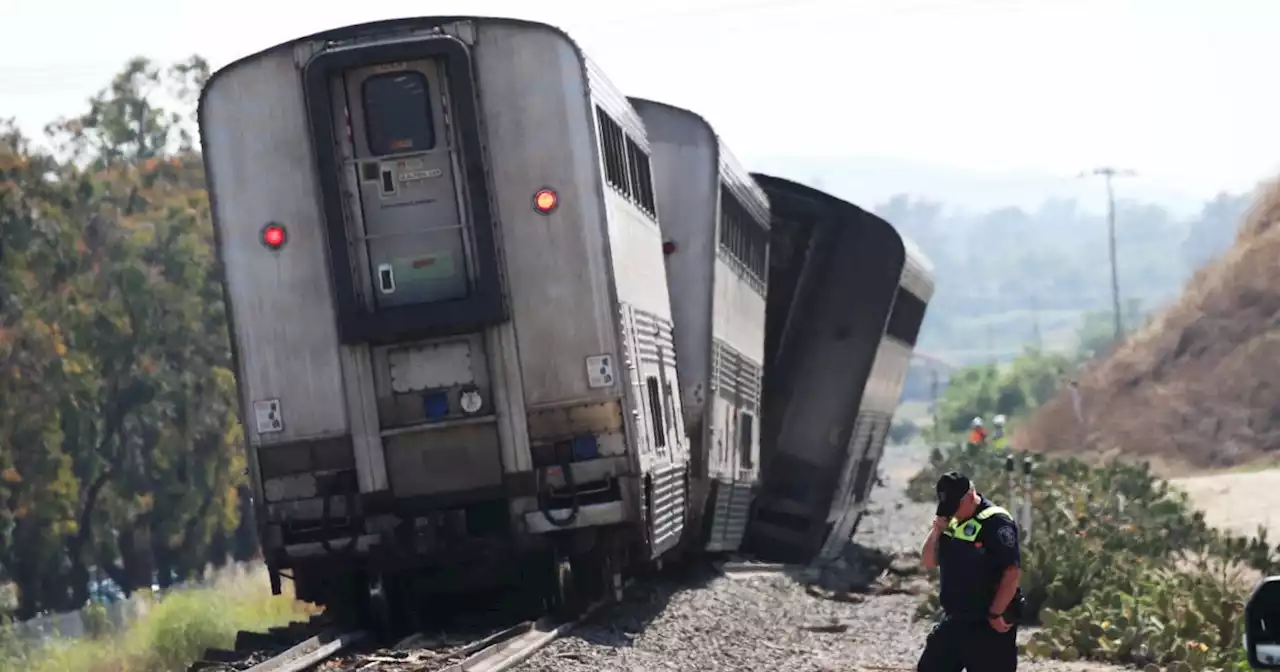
[(1119, 567), (173, 632), (95, 619)]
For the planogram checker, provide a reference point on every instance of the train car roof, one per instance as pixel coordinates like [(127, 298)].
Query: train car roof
[(733, 174), (918, 269), (357, 30), (824, 200)]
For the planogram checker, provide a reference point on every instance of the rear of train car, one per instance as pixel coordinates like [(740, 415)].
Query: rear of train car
[(879, 401), (715, 220), (452, 334), (833, 276)]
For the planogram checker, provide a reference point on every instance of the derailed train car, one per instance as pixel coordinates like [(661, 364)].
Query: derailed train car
[(879, 401), (833, 280), (715, 220), (453, 337)]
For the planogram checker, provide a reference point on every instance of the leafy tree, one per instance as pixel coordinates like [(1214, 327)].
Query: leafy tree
[(119, 443), (985, 390)]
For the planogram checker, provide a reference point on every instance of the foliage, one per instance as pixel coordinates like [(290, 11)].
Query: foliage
[(119, 443), (174, 632), (1118, 567), (987, 389)]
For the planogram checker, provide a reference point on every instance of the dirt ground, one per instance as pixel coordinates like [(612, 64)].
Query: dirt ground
[(1239, 502)]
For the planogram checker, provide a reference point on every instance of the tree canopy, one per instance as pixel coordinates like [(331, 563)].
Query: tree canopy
[(120, 448)]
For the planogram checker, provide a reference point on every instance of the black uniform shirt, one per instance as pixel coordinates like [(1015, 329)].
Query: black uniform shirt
[(970, 571)]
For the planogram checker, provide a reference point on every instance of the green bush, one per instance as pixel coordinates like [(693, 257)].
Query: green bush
[(96, 621), (1013, 390), (173, 632), (1118, 568)]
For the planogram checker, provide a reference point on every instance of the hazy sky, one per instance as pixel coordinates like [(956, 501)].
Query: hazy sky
[(1182, 91)]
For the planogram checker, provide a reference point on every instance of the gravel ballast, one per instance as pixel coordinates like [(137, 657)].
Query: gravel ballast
[(769, 621)]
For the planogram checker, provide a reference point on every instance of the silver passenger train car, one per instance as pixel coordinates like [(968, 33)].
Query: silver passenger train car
[(834, 273), (716, 222), (451, 323)]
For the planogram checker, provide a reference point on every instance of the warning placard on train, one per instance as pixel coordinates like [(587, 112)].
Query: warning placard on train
[(267, 414)]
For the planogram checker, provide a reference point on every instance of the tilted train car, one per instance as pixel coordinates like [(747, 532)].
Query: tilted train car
[(716, 223), (834, 272), (879, 401), (452, 332)]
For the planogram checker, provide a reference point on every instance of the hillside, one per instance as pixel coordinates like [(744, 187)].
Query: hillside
[(1199, 386)]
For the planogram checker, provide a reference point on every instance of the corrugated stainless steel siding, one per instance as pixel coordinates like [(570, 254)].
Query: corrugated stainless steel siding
[(655, 340), (735, 376), (730, 513), (667, 507)]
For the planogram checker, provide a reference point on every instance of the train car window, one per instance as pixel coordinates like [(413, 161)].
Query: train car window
[(641, 178), (655, 412), (613, 152), (741, 237), (397, 113), (906, 317), (746, 432)]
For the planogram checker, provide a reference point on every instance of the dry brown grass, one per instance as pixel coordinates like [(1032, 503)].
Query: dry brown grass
[(1197, 388)]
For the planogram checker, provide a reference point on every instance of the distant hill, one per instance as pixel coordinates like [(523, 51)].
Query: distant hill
[(1200, 384), (1019, 260)]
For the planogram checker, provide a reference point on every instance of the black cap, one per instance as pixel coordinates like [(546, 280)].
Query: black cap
[(952, 487)]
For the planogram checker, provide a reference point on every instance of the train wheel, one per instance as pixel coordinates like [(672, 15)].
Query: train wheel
[(546, 581), (381, 605), (570, 599)]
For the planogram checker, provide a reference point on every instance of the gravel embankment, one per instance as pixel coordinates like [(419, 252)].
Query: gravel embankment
[(769, 622)]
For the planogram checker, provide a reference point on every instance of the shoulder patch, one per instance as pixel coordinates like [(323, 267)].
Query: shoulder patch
[(1008, 536)]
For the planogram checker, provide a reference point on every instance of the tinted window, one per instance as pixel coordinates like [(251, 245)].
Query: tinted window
[(397, 113), (614, 142), (746, 432), (655, 413), (742, 237), (906, 318)]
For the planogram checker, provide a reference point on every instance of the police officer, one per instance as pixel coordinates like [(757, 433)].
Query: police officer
[(975, 544)]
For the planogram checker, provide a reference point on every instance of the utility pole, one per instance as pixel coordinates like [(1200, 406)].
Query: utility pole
[(1036, 337), (1108, 172), (933, 394)]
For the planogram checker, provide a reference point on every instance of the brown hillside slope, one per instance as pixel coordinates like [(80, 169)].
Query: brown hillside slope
[(1200, 385)]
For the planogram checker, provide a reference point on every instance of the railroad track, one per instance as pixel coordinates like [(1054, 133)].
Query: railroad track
[(333, 650)]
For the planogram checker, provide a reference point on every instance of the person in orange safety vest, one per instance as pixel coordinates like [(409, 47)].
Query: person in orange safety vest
[(977, 435)]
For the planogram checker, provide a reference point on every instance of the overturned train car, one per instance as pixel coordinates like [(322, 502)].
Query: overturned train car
[(453, 338), (715, 221), (879, 401), (832, 378)]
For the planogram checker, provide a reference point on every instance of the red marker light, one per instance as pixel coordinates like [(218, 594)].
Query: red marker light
[(668, 247), (545, 201), (274, 236)]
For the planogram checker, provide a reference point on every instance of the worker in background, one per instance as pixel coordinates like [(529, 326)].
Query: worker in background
[(978, 433), (998, 439), (974, 544)]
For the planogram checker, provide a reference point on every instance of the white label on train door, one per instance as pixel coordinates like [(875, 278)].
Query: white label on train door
[(415, 175), (600, 371), (268, 416)]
